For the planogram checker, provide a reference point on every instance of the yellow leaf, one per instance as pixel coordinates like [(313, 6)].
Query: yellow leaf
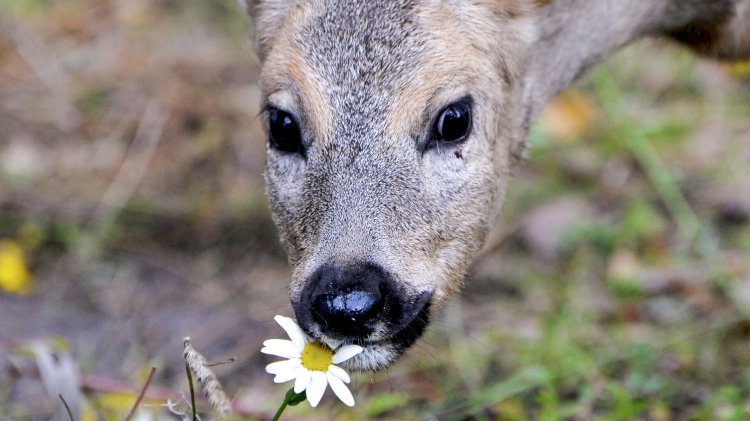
[(740, 69), (116, 401), (14, 274), (568, 116), (88, 413)]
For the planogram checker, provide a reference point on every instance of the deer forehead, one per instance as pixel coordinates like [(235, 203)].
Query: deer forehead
[(372, 67)]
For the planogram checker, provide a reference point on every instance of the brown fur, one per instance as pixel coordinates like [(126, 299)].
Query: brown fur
[(366, 77)]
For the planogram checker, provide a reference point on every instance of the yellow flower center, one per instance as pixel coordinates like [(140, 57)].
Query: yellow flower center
[(316, 357)]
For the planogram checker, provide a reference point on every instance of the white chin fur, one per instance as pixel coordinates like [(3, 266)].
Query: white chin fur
[(374, 357)]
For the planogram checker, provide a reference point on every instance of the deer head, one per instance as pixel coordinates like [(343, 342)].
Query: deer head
[(393, 129)]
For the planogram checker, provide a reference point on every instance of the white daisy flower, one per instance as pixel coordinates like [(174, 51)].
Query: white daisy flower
[(310, 364)]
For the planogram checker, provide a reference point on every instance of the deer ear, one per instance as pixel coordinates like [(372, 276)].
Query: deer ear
[(267, 16)]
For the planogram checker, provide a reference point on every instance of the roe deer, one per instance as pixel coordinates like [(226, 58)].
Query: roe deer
[(393, 128)]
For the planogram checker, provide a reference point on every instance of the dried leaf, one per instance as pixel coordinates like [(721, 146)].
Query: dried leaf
[(568, 116)]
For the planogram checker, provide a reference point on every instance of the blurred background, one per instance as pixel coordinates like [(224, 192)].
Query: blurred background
[(132, 214)]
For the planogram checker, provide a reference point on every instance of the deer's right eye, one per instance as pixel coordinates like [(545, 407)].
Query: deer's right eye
[(454, 122), (284, 132)]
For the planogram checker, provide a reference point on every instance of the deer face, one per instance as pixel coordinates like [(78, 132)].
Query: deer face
[(390, 140)]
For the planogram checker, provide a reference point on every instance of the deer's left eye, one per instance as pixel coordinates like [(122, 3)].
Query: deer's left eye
[(453, 122)]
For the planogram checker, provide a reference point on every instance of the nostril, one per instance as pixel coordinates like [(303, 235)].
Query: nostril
[(347, 313)]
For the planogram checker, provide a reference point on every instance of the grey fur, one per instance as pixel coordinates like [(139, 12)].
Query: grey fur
[(365, 78)]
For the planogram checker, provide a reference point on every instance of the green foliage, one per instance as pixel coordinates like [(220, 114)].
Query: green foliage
[(94, 102), (25, 8), (725, 404), (602, 237), (623, 406), (65, 233), (383, 403), (549, 405), (640, 223), (625, 288)]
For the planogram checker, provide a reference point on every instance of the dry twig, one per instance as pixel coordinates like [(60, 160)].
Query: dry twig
[(67, 408), (140, 395)]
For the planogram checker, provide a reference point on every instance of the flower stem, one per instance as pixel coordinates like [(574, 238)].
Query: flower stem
[(280, 410), (292, 399)]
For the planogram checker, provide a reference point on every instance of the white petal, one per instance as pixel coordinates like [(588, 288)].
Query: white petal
[(346, 352), (332, 343), (285, 376), (317, 386), (293, 330), (340, 389), (303, 379), (340, 373), (279, 366), (281, 348)]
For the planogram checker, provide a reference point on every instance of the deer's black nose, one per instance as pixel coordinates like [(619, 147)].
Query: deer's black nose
[(346, 302), (347, 312)]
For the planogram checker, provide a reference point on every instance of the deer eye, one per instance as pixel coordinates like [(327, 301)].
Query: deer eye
[(284, 133), (454, 122)]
